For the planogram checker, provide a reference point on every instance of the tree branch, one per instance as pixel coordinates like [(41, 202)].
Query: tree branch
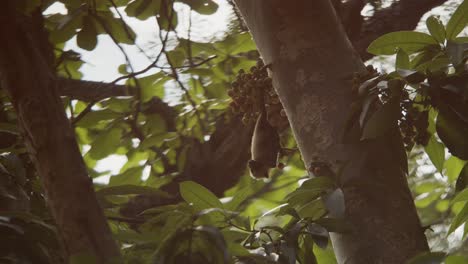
[(89, 91)]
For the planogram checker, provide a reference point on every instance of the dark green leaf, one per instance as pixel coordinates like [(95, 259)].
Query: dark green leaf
[(216, 238), (458, 21), (152, 86), (143, 9), (402, 60), (453, 131), (318, 234), (411, 76), (95, 117), (462, 180), (105, 144), (461, 197), (382, 120), (288, 210), (456, 51), (116, 28), (131, 176), (234, 44), (67, 26), (307, 248), (87, 37), (459, 219), (311, 209), (168, 21), (409, 41), (309, 190), (436, 28), (436, 152), (199, 196)]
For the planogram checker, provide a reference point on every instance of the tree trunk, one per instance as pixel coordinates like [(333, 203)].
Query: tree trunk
[(312, 66), (26, 74)]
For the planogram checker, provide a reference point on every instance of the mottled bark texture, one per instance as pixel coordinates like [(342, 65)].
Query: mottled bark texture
[(312, 65), (26, 74)]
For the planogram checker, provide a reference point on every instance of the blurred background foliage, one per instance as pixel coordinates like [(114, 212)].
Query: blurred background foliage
[(182, 193)]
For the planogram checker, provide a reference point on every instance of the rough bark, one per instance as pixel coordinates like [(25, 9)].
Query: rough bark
[(312, 64), (26, 74)]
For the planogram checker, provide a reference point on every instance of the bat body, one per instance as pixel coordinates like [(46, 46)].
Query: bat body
[(265, 148)]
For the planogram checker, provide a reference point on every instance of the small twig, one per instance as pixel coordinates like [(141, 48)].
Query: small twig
[(192, 65), (82, 113), (139, 134), (127, 28)]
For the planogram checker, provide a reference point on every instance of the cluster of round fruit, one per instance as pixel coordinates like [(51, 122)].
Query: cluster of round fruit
[(252, 93), (413, 126)]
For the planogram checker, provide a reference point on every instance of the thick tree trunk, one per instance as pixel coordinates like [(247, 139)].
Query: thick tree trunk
[(26, 75), (312, 66)]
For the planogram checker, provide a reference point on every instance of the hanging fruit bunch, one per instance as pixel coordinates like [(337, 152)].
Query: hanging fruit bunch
[(252, 93), (256, 100)]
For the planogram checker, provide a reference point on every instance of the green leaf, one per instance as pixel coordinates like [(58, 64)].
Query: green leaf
[(309, 190), (313, 209), (458, 21), (459, 219), (199, 196), (461, 197), (116, 28), (163, 20), (453, 167), (456, 51), (456, 260), (240, 196), (411, 76), (462, 180), (234, 44), (66, 26), (382, 120), (436, 28), (453, 131), (152, 86), (105, 144), (123, 69), (325, 256), (87, 37), (131, 176), (131, 189), (93, 118), (143, 9), (402, 60), (409, 41), (436, 152), (428, 258)]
